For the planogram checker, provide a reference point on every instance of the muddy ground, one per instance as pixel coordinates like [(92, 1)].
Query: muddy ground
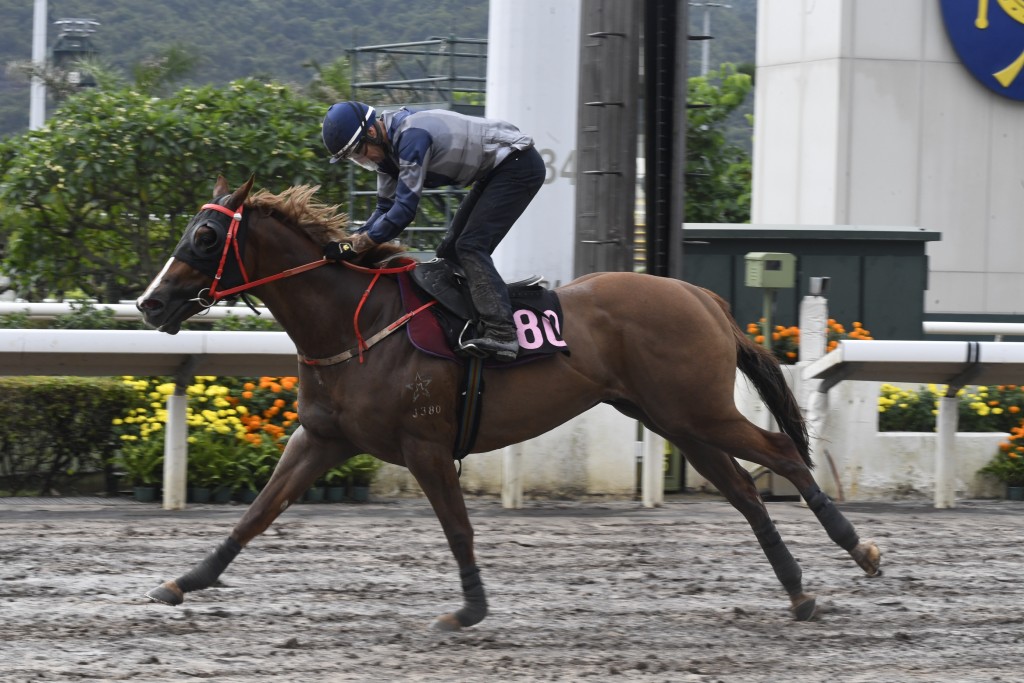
[(589, 591)]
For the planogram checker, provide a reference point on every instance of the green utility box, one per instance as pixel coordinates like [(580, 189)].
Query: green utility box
[(878, 274), (770, 270)]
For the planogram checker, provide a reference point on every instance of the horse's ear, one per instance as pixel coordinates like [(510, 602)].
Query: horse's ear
[(238, 196), (220, 188)]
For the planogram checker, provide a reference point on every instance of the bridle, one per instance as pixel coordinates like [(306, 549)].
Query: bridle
[(209, 296)]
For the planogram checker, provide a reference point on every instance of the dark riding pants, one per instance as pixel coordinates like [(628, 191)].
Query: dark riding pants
[(483, 219)]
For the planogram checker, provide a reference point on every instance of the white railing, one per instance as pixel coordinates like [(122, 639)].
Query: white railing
[(997, 330), (48, 310)]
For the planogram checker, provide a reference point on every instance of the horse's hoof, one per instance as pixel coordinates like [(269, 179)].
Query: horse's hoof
[(167, 593), (805, 610), (447, 622), (869, 557)]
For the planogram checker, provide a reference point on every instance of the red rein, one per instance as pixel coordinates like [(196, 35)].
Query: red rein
[(231, 243)]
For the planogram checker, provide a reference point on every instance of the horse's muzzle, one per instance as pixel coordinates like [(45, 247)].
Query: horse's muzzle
[(156, 315)]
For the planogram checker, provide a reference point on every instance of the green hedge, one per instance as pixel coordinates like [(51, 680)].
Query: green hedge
[(56, 430)]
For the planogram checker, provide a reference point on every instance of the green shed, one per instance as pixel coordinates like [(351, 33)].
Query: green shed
[(877, 274)]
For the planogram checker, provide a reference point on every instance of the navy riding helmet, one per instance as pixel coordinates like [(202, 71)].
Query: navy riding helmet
[(344, 127)]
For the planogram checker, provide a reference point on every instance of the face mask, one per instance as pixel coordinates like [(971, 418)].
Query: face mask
[(364, 162)]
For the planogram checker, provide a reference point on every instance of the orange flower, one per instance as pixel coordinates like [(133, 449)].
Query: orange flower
[(248, 386), (279, 403), (246, 394), (1014, 409)]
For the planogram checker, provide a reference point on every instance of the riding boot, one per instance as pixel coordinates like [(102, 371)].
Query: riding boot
[(497, 336)]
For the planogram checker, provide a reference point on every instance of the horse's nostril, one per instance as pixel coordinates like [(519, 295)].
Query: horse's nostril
[(148, 305)]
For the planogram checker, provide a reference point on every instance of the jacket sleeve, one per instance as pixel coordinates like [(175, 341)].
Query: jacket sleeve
[(385, 200), (413, 153)]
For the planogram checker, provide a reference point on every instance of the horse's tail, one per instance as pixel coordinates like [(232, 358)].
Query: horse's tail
[(762, 368)]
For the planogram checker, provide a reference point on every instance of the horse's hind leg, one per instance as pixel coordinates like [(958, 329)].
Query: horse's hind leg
[(298, 468), (435, 472), (738, 487), (776, 451)]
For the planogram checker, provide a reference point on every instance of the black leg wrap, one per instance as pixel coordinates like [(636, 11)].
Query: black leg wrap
[(474, 608), (206, 572), (786, 568), (838, 527)]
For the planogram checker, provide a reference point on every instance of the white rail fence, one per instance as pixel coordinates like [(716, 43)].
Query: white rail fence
[(108, 352)]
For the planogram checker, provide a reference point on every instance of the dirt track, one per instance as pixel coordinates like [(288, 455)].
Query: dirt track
[(578, 591)]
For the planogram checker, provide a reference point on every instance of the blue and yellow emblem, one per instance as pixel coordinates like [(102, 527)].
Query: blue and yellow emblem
[(989, 39)]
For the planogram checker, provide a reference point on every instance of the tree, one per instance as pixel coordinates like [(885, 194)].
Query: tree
[(96, 200), (718, 172)]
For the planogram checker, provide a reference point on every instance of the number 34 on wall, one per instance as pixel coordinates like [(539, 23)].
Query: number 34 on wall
[(567, 168)]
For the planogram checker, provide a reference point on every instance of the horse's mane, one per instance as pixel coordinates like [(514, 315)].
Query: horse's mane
[(322, 222)]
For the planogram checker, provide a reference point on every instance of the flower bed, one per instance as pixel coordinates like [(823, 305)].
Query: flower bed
[(997, 408), (786, 340), (237, 428)]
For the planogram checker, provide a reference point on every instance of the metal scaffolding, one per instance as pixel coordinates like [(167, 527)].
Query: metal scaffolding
[(437, 73)]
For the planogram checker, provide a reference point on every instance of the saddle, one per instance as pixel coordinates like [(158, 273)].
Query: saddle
[(536, 312)]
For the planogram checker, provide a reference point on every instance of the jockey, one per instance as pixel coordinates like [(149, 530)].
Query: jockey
[(411, 151)]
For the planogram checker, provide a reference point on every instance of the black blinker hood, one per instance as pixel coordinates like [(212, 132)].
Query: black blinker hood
[(207, 263)]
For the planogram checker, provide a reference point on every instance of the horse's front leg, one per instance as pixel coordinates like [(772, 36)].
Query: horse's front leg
[(304, 459), (435, 472)]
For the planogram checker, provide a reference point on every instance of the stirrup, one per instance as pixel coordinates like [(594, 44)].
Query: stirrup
[(470, 349), (484, 347)]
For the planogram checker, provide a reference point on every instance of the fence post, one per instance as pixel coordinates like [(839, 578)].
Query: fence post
[(945, 455), (176, 439), (512, 476), (652, 470)]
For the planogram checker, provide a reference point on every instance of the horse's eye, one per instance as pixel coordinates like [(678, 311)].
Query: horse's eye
[(206, 239)]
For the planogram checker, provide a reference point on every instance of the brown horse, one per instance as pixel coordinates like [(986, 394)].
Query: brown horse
[(659, 350)]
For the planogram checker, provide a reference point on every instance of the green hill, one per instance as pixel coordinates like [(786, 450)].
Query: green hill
[(262, 38), (274, 38)]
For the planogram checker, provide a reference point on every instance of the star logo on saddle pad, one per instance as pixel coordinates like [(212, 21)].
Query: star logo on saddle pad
[(419, 387)]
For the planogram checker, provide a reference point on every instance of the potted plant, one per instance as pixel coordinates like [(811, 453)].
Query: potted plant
[(210, 463), (1008, 464), (362, 469), (335, 479), (141, 463), (254, 465)]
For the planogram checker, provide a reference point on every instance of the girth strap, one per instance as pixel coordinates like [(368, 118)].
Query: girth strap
[(469, 408)]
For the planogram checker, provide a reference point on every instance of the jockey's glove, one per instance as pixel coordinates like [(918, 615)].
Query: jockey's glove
[(339, 251)]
